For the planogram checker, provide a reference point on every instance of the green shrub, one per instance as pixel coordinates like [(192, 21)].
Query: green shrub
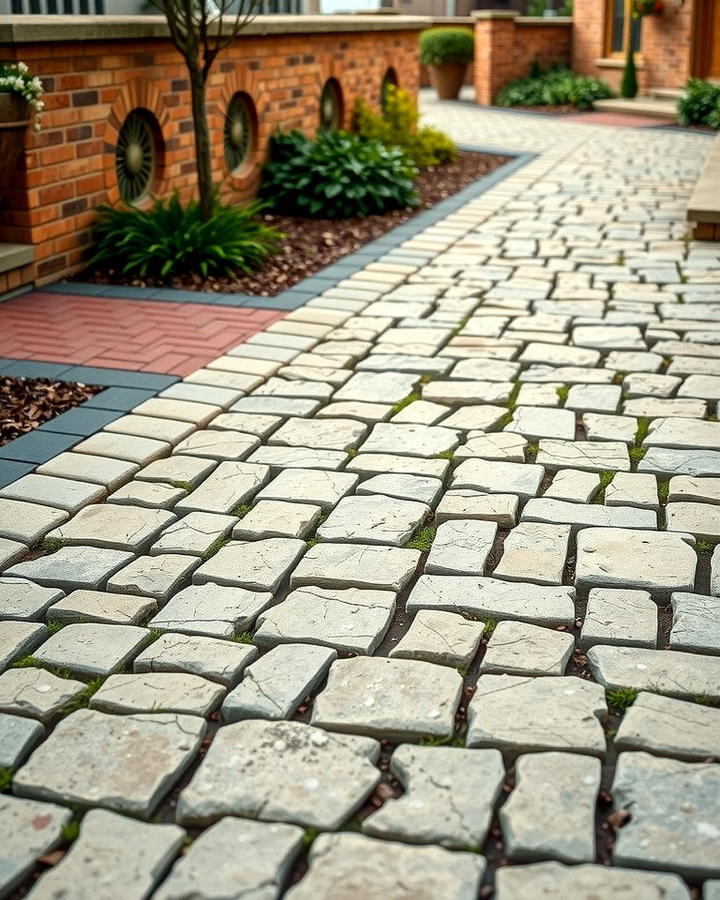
[(446, 45), (700, 104), (537, 7), (629, 82), (172, 239), (555, 87), (336, 176), (398, 127)]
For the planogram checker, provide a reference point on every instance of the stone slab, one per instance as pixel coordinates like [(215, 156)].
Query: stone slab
[(254, 565), (89, 649), (212, 610), (217, 660), (72, 568), (356, 565), (682, 675)]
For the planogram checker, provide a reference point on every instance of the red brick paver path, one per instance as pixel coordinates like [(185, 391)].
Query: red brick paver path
[(141, 335)]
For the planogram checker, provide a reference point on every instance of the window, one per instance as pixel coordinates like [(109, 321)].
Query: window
[(620, 27), (331, 107)]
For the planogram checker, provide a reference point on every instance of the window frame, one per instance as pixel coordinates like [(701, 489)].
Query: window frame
[(628, 23)]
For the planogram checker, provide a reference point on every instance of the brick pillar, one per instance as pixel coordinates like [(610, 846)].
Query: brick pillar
[(494, 56)]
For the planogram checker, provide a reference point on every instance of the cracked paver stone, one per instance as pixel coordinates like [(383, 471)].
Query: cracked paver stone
[(72, 567), (28, 522), (385, 464), (99, 606), (520, 648), (276, 518), (130, 447), (97, 470), (352, 865), (669, 727), (678, 433), (211, 609), (461, 547), (350, 619), (551, 811), (218, 444), (60, 493), (21, 599), (255, 565), (695, 625), (281, 772), (666, 461), (404, 487), (449, 797), (230, 484), (619, 617), (543, 422), (186, 469), (89, 649), (590, 456), (91, 759), (392, 699), (378, 387), (499, 477), (503, 446), (18, 639), (356, 565), (216, 660), (153, 494), (274, 685), (373, 519), (320, 434), (317, 486), (114, 857), (534, 552), (30, 829), (518, 714), (671, 672), (659, 562), (684, 488), (235, 858), (194, 534), (699, 519), (18, 736), (491, 598), (36, 693), (177, 692), (574, 486), (673, 825), (440, 637), (587, 515), (114, 526), (470, 504), (410, 440), (154, 576), (586, 882)]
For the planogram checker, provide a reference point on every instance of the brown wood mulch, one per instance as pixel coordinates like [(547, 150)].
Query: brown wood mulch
[(311, 244), (26, 403)]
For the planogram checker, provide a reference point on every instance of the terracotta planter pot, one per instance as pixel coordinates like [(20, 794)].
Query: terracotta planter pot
[(15, 116), (447, 79)]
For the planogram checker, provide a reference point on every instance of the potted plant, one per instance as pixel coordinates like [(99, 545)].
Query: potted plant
[(446, 52), (20, 95)]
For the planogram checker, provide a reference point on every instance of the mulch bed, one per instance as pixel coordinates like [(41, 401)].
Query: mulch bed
[(26, 403), (311, 244)]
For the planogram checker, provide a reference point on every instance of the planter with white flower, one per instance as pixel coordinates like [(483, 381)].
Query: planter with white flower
[(20, 103)]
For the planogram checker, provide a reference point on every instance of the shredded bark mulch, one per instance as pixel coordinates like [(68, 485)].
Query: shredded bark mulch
[(311, 244), (26, 403)]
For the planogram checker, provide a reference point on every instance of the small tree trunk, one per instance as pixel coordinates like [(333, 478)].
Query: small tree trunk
[(202, 141)]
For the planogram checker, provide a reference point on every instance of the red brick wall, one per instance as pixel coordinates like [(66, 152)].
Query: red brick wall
[(69, 167), (506, 47)]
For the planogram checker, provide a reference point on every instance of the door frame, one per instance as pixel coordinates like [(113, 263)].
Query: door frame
[(702, 35)]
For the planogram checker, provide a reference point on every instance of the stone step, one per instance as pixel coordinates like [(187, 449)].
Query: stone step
[(650, 107), (666, 93)]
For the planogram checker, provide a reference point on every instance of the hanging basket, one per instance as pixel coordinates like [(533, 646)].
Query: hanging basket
[(15, 117), (641, 8)]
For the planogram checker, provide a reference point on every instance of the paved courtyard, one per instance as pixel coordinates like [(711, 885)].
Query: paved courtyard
[(412, 595)]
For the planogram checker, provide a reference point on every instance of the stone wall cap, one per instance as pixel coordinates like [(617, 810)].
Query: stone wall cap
[(495, 14), (544, 20), (23, 29)]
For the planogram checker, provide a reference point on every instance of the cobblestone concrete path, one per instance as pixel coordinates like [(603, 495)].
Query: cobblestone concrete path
[(411, 595)]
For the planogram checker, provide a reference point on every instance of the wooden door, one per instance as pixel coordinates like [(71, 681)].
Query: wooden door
[(707, 39)]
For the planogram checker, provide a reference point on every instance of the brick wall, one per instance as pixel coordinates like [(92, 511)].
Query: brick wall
[(506, 46), (93, 81)]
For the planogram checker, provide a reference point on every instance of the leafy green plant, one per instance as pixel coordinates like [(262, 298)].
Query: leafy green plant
[(621, 698), (398, 126), (336, 176), (172, 239), (422, 539), (446, 45), (6, 777), (700, 104), (536, 7), (556, 86), (490, 626)]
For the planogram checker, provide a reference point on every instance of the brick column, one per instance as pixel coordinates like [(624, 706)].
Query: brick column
[(494, 55)]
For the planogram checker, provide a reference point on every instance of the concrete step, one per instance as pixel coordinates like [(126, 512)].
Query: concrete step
[(665, 93), (12, 256), (650, 107)]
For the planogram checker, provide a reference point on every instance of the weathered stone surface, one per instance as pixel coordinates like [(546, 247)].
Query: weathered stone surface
[(464, 503), (317, 486), (247, 422), (420, 412), (217, 660), (695, 623), (573, 486), (669, 727), (153, 494), (619, 617), (519, 648), (29, 830), (679, 433), (380, 387), (559, 356), (114, 527), (373, 519), (394, 699), (600, 398), (461, 547), (169, 430), (272, 687), (632, 489), (11, 551), (178, 692), (502, 477), (660, 562), (588, 515), (586, 882), (110, 473), (683, 675), (72, 567), (599, 427), (542, 422), (281, 772), (36, 693), (189, 470), (371, 868), (218, 444), (503, 446), (194, 534), (491, 598), (18, 639), (684, 488), (99, 606), (280, 457), (256, 565), (551, 812), (689, 461), (320, 434), (440, 637), (275, 406), (403, 487), (345, 619), (89, 649), (471, 418), (18, 736), (657, 407), (154, 576), (276, 518), (211, 609), (91, 759), (518, 714), (449, 796), (674, 814), (134, 449), (534, 552), (592, 456), (467, 393), (28, 522), (410, 440), (21, 599), (356, 565), (384, 464), (234, 858), (648, 385), (231, 484), (699, 519), (350, 409), (114, 857)]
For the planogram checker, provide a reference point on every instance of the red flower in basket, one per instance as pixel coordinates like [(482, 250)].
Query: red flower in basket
[(642, 8)]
